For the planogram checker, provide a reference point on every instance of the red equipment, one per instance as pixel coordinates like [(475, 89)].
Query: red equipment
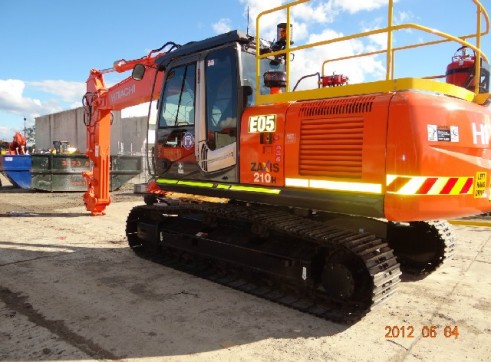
[(461, 71), (334, 80), (18, 144)]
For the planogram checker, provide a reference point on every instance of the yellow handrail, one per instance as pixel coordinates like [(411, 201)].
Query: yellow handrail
[(390, 28), (390, 51)]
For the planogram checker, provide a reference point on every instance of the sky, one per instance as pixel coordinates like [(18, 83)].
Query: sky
[(48, 47)]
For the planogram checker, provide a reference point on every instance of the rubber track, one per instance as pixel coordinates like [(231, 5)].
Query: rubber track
[(442, 231), (378, 258), (447, 237)]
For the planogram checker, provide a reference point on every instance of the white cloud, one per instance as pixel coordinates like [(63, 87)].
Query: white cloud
[(6, 133), (304, 17), (15, 104), (66, 91), (12, 99), (403, 17), (300, 31), (310, 61), (377, 41), (323, 13), (354, 6), (257, 6), (269, 21), (223, 25)]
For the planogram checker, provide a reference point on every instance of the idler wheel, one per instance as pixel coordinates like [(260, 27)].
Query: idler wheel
[(346, 278)]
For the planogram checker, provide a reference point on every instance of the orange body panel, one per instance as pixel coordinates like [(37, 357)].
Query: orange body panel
[(324, 147), (262, 155), (438, 158), (426, 156)]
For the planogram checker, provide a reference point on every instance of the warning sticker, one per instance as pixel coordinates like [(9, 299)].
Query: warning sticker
[(442, 134), (480, 183)]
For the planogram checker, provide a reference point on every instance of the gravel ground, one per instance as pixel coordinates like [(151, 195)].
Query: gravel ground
[(70, 289)]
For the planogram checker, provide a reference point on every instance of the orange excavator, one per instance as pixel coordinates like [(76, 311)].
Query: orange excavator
[(315, 198)]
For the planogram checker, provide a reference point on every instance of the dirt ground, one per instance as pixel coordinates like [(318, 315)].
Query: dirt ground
[(71, 289)]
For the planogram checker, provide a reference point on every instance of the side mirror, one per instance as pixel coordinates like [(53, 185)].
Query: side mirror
[(247, 89), (247, 95), (138, 72)]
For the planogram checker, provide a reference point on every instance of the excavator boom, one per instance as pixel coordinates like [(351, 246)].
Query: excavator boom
[(99, 101)]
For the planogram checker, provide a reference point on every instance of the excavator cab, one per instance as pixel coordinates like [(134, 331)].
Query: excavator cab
[(199, 121)]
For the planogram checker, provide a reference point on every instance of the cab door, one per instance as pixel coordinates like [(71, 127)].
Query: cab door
[(218, 112), (175, 134)]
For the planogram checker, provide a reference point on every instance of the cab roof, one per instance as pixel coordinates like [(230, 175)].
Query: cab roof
[(198, 46)]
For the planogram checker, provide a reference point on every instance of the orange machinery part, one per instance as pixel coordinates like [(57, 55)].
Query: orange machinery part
[(383, 142), (101, 101), (18, 144)]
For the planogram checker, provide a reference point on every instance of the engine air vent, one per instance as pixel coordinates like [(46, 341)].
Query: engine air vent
[(331, 147), (339, 106)]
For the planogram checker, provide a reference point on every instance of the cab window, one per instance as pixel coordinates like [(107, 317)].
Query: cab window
[(249, 74), (178, 100), (221, 97)]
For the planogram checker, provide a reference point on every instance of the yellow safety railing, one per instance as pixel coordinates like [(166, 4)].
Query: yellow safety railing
[(389, 84)]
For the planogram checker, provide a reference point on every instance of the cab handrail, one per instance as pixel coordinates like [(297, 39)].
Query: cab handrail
[(389, 50)]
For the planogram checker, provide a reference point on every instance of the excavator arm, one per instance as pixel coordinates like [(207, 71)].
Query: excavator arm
[(98, 102)]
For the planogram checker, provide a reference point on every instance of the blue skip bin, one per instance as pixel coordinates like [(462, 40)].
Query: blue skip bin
[(17, 168)]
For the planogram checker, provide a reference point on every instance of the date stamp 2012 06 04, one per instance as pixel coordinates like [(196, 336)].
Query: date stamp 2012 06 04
[(426, 331)]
